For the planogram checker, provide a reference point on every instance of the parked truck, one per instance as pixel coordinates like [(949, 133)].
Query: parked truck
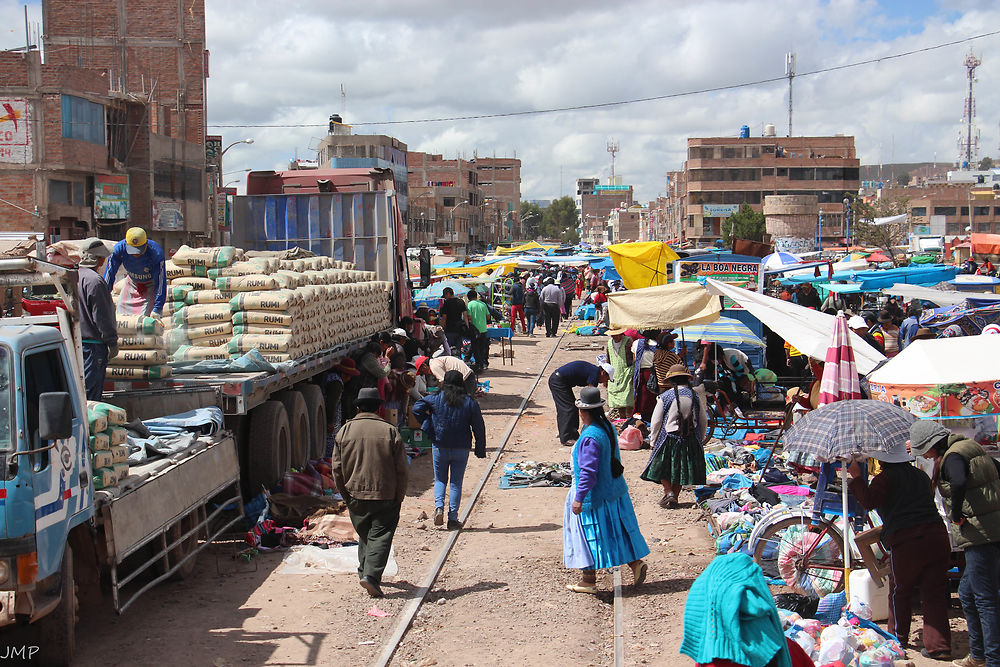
[(57, 529)]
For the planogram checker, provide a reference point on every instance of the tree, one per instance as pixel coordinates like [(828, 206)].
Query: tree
[(903, 179), (531, 219), (745, 224), (987, 163), (886, 236), (560, 219)]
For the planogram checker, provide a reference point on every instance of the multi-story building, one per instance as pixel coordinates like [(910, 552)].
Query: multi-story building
[(624, 224), (446, 197), (340, 149), (500, 182), (950, 210), (151, 56), (722, 173), (596, 206)]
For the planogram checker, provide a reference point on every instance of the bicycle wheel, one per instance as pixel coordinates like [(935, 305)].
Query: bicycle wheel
[(710, 422), (808, 557)]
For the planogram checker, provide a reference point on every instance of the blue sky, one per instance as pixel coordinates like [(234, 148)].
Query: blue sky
[(283, 64)]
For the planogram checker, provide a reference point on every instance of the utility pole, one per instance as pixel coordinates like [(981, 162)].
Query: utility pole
[(790, 73)]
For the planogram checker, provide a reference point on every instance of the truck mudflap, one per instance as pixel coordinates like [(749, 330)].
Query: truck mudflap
[(197, 490)]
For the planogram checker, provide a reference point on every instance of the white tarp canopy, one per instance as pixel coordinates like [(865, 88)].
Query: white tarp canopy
[(940, 297), (809, 331), (891, 219), (961, 359), (663, 307)]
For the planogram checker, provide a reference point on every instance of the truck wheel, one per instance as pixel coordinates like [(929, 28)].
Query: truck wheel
[(299, 425), (56, 633), (178, 553), (316, 409), (269, 452)]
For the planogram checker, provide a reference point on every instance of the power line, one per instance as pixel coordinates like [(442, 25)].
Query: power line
[(638, 100)]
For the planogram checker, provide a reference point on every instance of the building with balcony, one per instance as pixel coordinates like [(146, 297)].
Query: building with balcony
[(446, 195), (721, 173), (500, 182)]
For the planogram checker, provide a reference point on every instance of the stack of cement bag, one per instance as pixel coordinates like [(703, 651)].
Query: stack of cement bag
[(141, 351), (108, 448)]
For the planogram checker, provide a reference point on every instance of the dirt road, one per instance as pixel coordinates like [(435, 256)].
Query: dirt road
[(501, 596)]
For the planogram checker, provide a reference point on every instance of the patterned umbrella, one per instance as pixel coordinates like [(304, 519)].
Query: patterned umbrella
[(725, 331), (843, 429)]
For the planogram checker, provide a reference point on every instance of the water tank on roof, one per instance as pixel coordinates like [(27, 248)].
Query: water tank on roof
[(744, 132), (769, 130)]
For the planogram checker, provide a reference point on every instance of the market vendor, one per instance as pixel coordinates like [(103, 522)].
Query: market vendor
[(438, 366), (561, 384), (145, 289), (916, 537)]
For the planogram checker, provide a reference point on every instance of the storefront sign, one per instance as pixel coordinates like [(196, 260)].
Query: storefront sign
[(942, 400), (735, 273), (15, 135), (223, 211), (168, 215), (213, 149), (111, 197), (719, 210)]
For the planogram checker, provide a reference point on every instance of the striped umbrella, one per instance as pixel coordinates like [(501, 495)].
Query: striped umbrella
[(840, 373), (725, 331)]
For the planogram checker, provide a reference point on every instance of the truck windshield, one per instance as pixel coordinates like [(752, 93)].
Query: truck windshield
[(6, 407)]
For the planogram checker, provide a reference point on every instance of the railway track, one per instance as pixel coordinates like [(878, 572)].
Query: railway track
[(413, 606)]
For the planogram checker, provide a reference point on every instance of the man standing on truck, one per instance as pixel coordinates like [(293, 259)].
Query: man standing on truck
[(98, 329), (145, 289), (370, 470)]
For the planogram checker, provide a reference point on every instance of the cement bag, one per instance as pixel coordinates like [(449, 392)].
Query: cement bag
[(99, 442), (175, 338), (286, 279), (251, 283), (139, 358), (96, 423), (138, 324), (121, 472), (178, 291), (216, 341), (279, 300), (101, 459), (193, 282), (237, 269), (174, 271), (266, 344), (262, 317), (119, 454), (202, 313), (138, 372), (207, 296), (141, 342), (279, 358), (262, 330), (103, 478), (115, 415), (196, 353), (209, 331), (208, 257), (117, 435)]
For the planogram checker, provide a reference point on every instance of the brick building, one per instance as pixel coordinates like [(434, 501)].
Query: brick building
[(151, 57), (500, 182), (624, 224), (721, 173), (446, 203), (950, 210), (596, 206)]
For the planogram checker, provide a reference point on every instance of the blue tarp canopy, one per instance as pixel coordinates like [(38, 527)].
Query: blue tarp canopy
[(874, 280)]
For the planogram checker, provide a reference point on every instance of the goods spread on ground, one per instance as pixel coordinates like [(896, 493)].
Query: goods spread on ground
[(222, 303)]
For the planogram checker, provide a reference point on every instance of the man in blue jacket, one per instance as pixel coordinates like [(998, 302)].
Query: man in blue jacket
[(145, 289)]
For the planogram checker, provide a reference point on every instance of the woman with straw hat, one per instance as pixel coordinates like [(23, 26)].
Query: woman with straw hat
[(599, 525), (675, 431)]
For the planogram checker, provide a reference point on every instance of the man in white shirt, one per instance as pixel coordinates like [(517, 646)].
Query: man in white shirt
[(551, 297)]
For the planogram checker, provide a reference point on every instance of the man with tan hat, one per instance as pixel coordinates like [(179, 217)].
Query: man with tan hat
[(98, 327)]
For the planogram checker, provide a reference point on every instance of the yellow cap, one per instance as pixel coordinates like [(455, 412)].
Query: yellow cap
[(136, 237)]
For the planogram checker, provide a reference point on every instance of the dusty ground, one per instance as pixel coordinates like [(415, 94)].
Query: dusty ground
[(500, 597)]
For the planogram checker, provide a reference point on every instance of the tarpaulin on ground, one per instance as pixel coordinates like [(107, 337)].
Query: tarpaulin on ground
[(986, 244), (642, 264), (663, 307), (807, 330)]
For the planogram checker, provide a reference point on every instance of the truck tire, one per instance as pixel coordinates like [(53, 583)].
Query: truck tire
[(316, 409), (178, 553), (299, 425), (269, 451), (56, 633)]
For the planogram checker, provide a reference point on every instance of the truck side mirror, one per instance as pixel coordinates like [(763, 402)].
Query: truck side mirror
[(55, 415)]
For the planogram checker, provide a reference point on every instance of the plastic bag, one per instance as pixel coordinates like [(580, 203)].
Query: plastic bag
[(630, 439)]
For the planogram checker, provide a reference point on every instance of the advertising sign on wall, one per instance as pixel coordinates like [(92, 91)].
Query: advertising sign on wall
[(111, 197), (15, 135), (168, 216), (719, 210)]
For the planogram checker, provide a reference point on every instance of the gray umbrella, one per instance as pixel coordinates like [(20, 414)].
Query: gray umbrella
[(842, 429)]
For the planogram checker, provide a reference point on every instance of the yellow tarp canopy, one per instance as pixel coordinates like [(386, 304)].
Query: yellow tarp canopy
[(530, 245), (663, 307), (500, 268), (642, 264)]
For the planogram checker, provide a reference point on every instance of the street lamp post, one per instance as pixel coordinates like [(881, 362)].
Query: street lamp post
[(525, 219), (218, 180), (451, 216)]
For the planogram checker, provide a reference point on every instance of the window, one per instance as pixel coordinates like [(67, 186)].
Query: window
[(767, 150), (767, 172), (951, 228), (82, 119), (60, 192), (192, 184), (996, 210), (43, 372), (448, 201), (945, 210), (981, 210), (919, 211), (707, 227), (728, 175), (801, 174), (965, 211), (781, 172)]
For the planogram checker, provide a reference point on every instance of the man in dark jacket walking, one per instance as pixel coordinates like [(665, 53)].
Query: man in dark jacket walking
[(969, 481), (370, 470), (98, 326)]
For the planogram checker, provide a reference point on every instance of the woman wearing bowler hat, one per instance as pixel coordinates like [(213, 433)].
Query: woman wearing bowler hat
[(599, 525)]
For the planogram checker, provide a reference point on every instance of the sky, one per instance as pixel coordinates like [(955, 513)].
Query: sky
[(283, 65)]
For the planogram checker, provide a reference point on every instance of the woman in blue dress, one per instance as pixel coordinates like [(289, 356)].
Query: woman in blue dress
[(599, 526)]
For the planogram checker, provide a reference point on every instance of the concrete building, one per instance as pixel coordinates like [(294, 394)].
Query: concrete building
[(500, 182), (152, 59), (446, 196), (721, 173), (950, 210), (624, 224), (597, 203), (340, 149)]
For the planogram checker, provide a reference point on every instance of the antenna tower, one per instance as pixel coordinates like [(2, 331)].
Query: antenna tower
[(613, 149), (968, 142), (790, 73)]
